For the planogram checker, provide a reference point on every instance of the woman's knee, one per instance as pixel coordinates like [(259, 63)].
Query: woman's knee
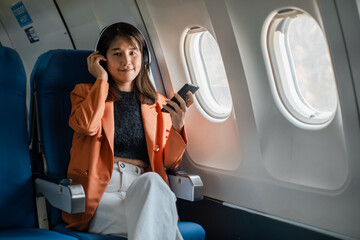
[(151, 178), (151, 181)]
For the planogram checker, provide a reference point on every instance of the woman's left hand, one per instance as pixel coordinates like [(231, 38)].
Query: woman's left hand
[(178, 113)]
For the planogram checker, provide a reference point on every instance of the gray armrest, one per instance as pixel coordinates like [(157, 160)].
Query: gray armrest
[(67, 197), (186, 186)]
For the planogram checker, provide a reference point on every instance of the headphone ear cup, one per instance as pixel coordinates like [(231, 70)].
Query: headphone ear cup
[(146, 54)]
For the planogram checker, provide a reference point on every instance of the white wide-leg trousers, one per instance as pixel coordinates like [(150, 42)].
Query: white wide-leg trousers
[(137, 206)]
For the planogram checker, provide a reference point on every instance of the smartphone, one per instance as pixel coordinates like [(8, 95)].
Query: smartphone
[(182, 92)]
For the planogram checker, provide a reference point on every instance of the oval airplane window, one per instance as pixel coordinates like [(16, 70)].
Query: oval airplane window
[(302, 67), (207, 70)]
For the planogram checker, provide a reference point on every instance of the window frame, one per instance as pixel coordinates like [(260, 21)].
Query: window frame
[(196, 67), (288, 93)]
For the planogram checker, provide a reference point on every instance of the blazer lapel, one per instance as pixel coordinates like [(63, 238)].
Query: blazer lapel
[(149, 118), (108, 123)]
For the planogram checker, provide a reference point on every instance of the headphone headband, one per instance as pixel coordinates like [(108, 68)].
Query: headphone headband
[(146, 52)]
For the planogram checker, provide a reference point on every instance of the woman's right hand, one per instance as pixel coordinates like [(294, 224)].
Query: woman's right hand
[(94, 66)]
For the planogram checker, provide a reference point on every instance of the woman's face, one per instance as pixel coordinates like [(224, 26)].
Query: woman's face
[(124, 62)]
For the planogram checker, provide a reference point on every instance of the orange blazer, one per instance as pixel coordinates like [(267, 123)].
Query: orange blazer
[(92, 152)]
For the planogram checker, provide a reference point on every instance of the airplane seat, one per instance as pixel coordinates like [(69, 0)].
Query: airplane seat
[(53, 78), (17, 216)]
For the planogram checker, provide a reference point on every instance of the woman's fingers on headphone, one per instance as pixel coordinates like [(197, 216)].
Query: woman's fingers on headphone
[(94, 66), (101, 58), (90, 58), (97, 53), (93, 54), (95, 58)]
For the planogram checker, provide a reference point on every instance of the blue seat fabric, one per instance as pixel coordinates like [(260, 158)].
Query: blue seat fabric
[(17, 207), (189, 231), (15, 175), (84, 235), (32, 234), (55, 75)]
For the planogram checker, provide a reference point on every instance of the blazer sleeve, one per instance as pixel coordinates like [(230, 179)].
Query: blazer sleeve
[(174, 148), (88, 105), (175, 143)]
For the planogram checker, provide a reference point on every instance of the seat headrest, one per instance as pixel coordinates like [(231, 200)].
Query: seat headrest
[(12, 70), (61, 70)]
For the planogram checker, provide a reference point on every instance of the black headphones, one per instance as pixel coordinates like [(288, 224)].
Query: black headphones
[(145, 53)]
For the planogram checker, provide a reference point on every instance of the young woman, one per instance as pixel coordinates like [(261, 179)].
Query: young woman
[(120, 133)]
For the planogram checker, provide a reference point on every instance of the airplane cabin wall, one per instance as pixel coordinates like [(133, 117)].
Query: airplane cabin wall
[(290, 153), (85, 19), (270, 165), (320, 164), (349, 19), (4, 38)]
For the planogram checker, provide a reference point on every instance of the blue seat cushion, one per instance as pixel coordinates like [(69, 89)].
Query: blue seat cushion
[(189, 231), (84, 235), (32, 234)]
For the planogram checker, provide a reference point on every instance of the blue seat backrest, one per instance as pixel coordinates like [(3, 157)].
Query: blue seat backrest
[(17, 197), (54, 76)]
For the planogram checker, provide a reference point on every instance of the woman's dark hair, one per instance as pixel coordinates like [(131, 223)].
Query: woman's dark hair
[(143, 88)]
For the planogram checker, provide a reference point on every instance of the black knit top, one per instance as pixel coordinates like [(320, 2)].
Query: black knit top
[(129, 138)]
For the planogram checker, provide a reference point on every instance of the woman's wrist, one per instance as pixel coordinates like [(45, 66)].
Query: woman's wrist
[(103, 78), (180, 130)]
